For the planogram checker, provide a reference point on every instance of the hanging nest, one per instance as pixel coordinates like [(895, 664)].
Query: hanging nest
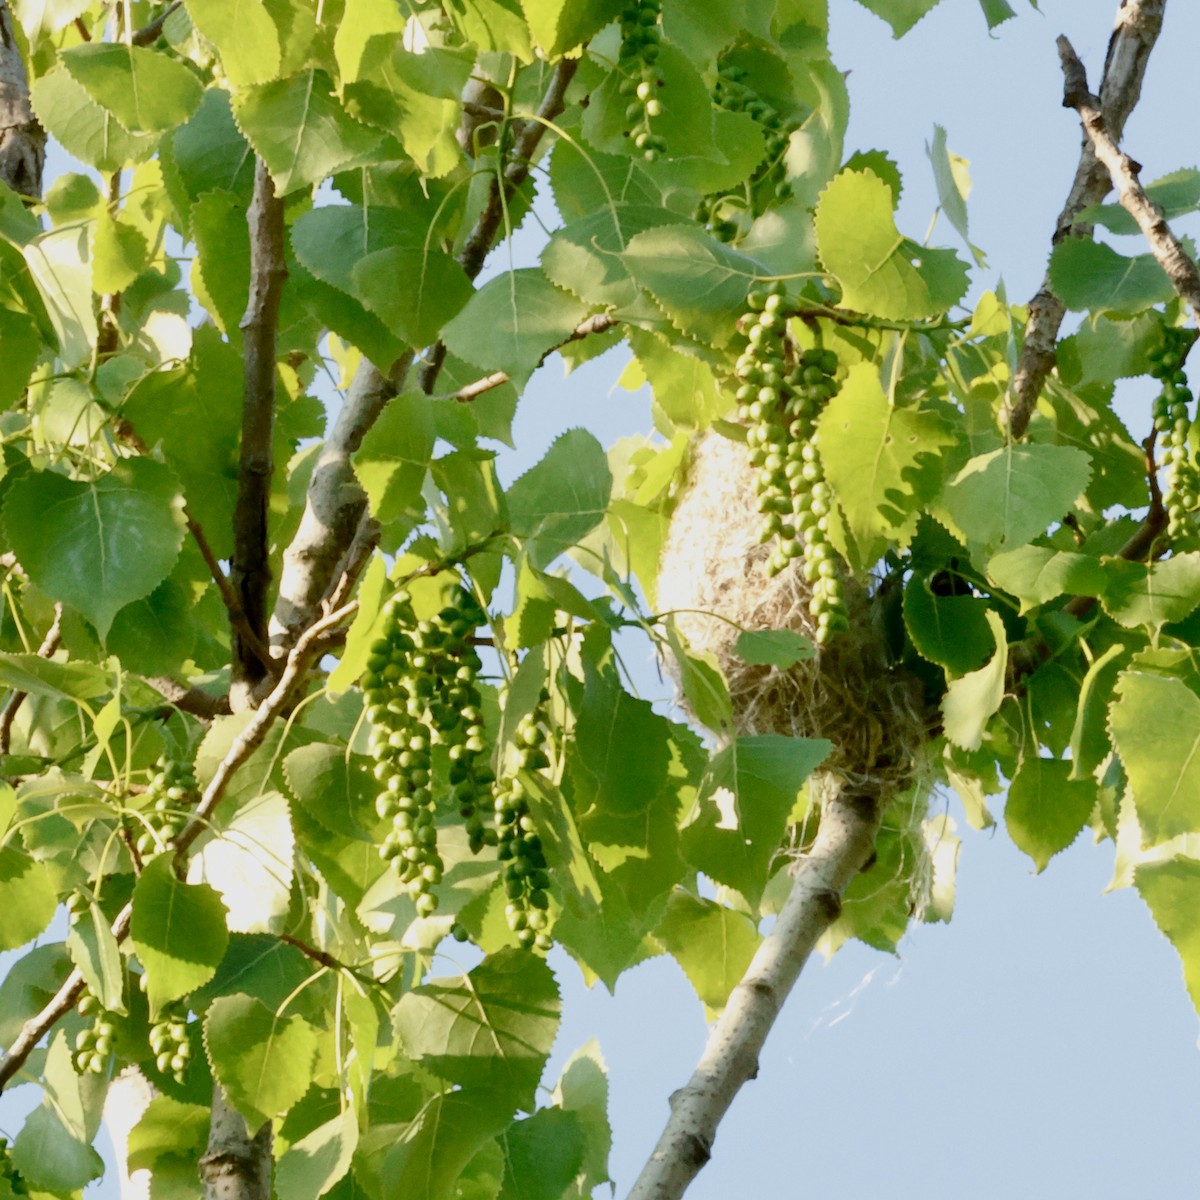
[(712, 575)]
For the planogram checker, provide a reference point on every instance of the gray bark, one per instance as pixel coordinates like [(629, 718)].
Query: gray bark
[(22, 139)]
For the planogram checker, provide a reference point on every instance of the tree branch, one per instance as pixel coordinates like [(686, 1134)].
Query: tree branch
[(1123, 171), (1137, 28), (193, 700), (306, 649), (22, 139), (150, 32), (844, 843), (251, 568), (235, 1166), (335, 503)]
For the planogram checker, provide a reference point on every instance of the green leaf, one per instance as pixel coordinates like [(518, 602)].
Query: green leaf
[(585, 257), (192, 416), (118, 254), (20, 348), (27, 899), (901, 15), (51, 1155), (1177, 194), (146, 91), (583, 1089), (311, 1166), (491, 1028), (877, 457), (1155, 724), (44, 677), (244, 34), (94, 951), (85, 129), (209, 154), (249, 863), (221, 268), (781, 648), (1090, 744), (300, 130), (29, 984), (264, 1061), (713, 944), (744, 805), (950, 173), (335, 787), (260, 965), (1153, 594), (100, 544), (1171, 890), (1037, 574), (996, 12), (951, 631), (1091, 275), (513, 322), (452, 1129), (699, 282), (178, 931), (970, 701), (561, 25), (543, 1154), (154, 635), (1046, 808), (1006, 498), (560, 499), (880, 272), (394, 456), (58, 264)]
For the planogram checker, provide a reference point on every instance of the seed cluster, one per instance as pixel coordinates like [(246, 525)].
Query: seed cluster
[(173, 787), (526, 880), (638, 62), (780, 400), (169, 1042), (421, 691), (94, 1043), (729, 214), (1173, 421)]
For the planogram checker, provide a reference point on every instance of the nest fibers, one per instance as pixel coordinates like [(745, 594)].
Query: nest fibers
[(713, 576)]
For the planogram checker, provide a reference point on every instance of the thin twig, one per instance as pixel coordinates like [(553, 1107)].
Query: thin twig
[(305, 650), (150, 32), (1137, 28), (1164, 245), (597, 323), (251, 566), (193, 700), (50, 644)]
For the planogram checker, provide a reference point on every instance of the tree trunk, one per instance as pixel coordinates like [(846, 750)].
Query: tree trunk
[(236, 1166), (22, 139)]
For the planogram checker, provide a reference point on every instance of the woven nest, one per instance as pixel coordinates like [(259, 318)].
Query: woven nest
[(712, 575)]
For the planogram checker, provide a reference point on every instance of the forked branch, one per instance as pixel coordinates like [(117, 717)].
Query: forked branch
[(1137, 28)]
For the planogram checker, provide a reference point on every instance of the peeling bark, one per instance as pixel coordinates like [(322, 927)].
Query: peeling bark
[(22, 139)]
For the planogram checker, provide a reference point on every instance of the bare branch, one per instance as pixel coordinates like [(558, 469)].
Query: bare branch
[(49, 645), (1123, 171), (193, 700), (251, 568), (22, 139), (1137, 28), (844, 844), (333, 508)]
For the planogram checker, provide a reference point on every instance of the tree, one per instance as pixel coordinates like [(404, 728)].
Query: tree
[(298, 694)]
